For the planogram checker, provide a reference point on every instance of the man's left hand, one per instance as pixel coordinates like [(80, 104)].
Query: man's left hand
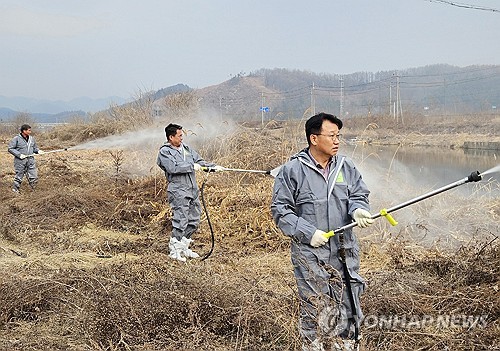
[(218, 169)]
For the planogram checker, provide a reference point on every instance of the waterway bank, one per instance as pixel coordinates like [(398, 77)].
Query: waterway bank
[(481, 133)]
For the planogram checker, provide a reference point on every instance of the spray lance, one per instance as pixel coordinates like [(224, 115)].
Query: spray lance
[(473, 177), (47, 152), (272, 172)]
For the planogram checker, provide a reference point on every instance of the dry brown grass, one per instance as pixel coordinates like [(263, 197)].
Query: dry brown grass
[(84, 265), (439, 131)]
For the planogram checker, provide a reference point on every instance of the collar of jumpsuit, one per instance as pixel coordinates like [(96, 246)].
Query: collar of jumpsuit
[(324, 170)]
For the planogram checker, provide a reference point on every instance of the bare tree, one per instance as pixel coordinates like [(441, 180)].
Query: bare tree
[(135, 114), (181, 104)]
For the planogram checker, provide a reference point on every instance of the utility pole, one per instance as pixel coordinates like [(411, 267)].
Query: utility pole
[(341, 96), (262, 109), (390, 97), (398, 104), (444, 97), (379, 103), (313, 102), (397, 98), (220, 108)]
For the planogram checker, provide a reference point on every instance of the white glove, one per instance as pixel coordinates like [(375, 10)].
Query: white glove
[(218, 168), (22, 156), (363, 218), (41, 152), (318, 238), (197, 167)]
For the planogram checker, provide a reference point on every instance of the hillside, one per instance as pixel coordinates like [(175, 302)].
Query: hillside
[(431, 91)]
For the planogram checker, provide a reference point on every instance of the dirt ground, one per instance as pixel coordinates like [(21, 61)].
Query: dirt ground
[(84, 258)]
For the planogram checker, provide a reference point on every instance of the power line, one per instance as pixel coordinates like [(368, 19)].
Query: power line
[(466, 6)]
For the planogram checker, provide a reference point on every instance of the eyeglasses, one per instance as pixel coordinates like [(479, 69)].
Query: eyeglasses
[(332, 136)]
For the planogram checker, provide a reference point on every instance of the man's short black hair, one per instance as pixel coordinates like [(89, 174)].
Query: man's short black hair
[(24, 127), (313, 124), (171, 129)]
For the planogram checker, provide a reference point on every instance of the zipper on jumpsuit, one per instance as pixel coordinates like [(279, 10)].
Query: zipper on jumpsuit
[(28, 152), (185, 152), (337, 170)]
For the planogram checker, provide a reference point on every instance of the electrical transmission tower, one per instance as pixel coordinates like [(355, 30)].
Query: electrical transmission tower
[(395, 108), (341, 96), (313, 101)]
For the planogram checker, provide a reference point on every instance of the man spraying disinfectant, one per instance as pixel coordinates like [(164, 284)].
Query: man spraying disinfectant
[(23, 146), (316, 191), (179, 162)]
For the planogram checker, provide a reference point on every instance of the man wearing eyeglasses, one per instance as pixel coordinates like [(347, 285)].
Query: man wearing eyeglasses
[(315, 192)]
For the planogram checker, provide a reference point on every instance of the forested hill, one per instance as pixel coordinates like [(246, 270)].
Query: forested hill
[(434, 89), (288, 94)]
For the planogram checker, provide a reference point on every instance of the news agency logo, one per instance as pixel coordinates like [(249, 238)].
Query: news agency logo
[(331, 320), (425, 321)]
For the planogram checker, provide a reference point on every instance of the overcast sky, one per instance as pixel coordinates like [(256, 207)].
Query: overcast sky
[(63, 49)]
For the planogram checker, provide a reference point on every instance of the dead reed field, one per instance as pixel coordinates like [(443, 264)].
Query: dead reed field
[(84, 259)]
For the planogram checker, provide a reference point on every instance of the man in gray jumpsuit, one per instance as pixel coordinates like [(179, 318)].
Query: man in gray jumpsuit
[(23, 147), (315, 192), (179, 162)]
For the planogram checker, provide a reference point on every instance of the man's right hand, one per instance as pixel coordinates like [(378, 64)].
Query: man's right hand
[(197, 167), (363, 218), (318, 238), (22, 156)]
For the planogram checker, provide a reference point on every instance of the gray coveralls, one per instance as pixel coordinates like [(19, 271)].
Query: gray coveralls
[(182, 189), (303, 201), (17, 146)]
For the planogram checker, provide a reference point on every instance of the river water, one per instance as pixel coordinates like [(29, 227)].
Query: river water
[(397, 175), (425, 168)]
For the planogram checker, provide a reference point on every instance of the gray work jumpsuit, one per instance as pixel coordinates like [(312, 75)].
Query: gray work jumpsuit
[(182, 189), (303, 201), (17, 146)]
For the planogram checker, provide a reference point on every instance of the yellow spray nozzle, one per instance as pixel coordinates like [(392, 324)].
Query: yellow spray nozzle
[(392, 221), (329, 234)]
